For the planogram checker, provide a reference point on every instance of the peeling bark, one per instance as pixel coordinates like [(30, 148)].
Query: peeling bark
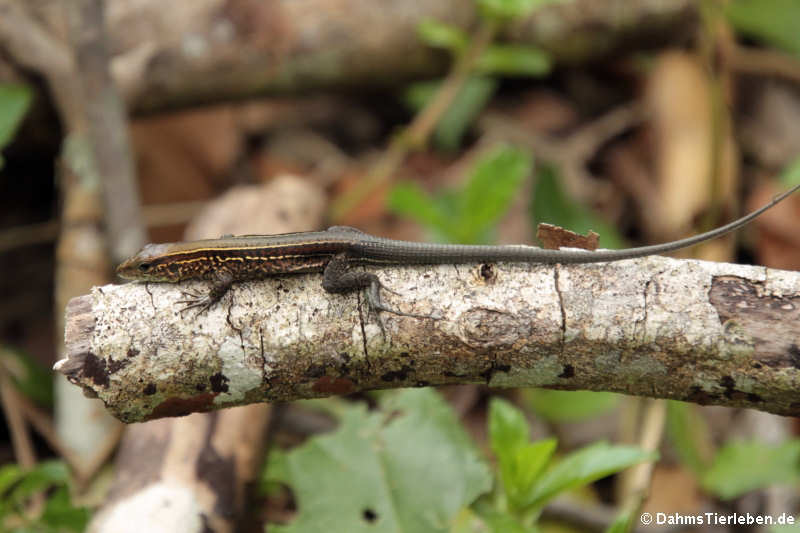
[(710, 333)]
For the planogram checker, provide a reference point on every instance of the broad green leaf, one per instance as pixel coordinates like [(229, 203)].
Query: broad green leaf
[(468, 103), (514, 60), (501, 522), (773, 21), (409, 468), (467, 216), (9, 474), (689, 435), (529, 463), (583, 467), (409, 199), (43, 476), (504, 10), (569, 406), (791, 174), (551, 205), (741, 467), (418, 94), (60, 514), (490, 189), (14, 102), (275, 472), (508, 429), (520, 461), (31, 378), (440, 35)]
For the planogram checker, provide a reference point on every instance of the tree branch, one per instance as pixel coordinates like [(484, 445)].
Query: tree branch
[(178, 54), (711, 333)]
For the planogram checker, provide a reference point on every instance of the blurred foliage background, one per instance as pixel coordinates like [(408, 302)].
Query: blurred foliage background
[(463, 121)]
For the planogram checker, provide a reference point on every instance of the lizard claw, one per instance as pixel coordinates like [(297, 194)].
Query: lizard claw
[(193, 301)]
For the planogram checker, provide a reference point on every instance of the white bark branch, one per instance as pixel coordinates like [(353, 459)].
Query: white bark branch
[(711, 333)]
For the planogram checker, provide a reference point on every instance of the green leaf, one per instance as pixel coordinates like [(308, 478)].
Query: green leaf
[(492, 186), (569, 406), (409, 468), (504, 10), (440, 35), (43, 476), (773, 21), (689, 435), (418, 94), (623, 523), (14, 102), (9, 474), (275, 473), (741, 467), (551, 205), (501, 522), (60, 514), (791, 174), (514, 60), (520, 461), (467, 105), (31, 378), (467, 216), (508, 429), (409, 199), (529, 462), (583, 467), (472, 97)]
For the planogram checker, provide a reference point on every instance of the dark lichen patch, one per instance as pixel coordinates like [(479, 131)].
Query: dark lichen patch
[(132, 352), (94, 368), (397, 375), (219, 382), (729, 385), (149, 389), (494, 367), (316, 371), (699, 396), (754, 398), (568, 372), (117, 365)]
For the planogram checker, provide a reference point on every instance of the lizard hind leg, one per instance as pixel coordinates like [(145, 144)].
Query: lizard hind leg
[(338, 278)]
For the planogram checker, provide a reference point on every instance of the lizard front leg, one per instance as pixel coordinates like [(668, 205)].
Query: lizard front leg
[(220, 284)]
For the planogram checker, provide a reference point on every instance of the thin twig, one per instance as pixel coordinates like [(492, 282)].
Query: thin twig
[(20, 438), (758, 62), (636, 481)]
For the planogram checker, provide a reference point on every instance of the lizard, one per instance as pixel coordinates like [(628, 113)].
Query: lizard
[(231, 259)]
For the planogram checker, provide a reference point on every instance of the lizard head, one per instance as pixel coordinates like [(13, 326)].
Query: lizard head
[(148, 265)]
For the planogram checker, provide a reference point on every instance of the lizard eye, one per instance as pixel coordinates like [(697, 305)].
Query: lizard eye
[(145, 267)]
